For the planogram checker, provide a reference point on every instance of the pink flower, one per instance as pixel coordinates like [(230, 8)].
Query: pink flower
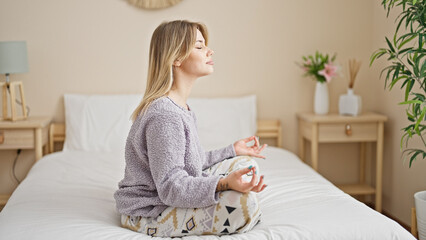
[(328, 72), (305, 66)]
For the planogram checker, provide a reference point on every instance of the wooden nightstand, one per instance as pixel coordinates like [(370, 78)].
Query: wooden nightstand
[(31, 133), (334, 128)]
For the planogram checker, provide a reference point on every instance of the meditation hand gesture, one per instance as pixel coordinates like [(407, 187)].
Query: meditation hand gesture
[(241, 148), (234, 181)]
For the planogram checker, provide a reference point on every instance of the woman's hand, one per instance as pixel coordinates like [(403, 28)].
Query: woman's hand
[(241, 148), (235, 182)]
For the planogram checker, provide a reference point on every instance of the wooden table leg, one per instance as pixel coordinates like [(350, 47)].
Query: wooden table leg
[(301, 142), (379, 167), (414, 223), (38, 144), (46, 149), (362, 164), (4, 99), (12, 100), (314, 147)]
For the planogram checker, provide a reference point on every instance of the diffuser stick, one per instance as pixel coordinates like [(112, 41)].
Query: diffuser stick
[(354, 67)]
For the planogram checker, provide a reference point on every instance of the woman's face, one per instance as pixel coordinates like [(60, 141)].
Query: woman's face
[(199, 63)]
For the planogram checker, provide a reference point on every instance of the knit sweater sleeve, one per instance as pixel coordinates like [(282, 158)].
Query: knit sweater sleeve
[(166, 144), (215, 156)]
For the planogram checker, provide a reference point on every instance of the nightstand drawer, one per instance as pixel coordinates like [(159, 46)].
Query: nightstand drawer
[(16, 138), (347, 132)]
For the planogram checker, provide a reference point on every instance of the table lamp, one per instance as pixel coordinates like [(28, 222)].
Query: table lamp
[(13, 59)]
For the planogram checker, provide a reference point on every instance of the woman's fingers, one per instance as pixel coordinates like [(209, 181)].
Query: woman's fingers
[(257, 155), (246, 140), (246, 187), (258, 150), (263, 147), (256, 142), (259, 186), (243, 171), (254, 177)]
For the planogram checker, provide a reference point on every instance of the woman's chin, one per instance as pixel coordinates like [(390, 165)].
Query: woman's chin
[(208, 72)]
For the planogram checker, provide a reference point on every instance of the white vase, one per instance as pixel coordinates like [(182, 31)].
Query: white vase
[(321, 98), (350, 104), (420, 203)]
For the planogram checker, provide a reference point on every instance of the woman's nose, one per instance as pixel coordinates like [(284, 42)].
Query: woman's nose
[(210, 52)]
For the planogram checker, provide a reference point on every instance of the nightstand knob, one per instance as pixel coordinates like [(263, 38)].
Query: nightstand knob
[(348, 130), (1, 137)]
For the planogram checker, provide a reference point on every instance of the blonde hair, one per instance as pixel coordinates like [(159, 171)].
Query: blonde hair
[(170, 41)]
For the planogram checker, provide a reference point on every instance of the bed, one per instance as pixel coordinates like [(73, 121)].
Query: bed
[(69, 194)]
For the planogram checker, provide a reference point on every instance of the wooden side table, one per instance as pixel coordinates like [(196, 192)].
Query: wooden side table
[(334, 128), (31, 133)]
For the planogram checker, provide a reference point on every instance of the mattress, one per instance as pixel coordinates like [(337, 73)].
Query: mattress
[(69, 195)]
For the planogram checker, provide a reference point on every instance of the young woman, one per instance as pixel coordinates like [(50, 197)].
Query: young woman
[(171, 186)]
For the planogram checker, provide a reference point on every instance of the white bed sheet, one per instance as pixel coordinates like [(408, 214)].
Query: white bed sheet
[(69, 195)]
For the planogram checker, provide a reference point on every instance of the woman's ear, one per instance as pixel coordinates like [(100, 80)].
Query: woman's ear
[(177, 63)]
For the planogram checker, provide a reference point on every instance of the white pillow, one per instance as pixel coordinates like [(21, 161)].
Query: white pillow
[(98, 122), (222, 121)]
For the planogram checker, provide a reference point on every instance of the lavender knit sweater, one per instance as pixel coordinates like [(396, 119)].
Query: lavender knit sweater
[(164, 163)]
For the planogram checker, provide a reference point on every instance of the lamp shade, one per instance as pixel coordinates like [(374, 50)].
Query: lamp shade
[(13, 57)]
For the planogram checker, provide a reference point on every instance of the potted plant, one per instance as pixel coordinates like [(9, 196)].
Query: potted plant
[(322, 69), (406, 57)]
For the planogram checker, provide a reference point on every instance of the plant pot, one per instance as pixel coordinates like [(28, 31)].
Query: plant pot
[(420, 203), (321, 98)]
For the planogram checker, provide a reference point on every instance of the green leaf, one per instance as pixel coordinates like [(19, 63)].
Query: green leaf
[(416, 68), (412, 81), (396, 73), (394, 39), (400, 21), (404, 50), (419, 120), (413, 157), (402, 140), (391, 56), (416, 109), (406, 41), (384, 69), (413, 109), (405, 82), (408, 89), (390, 45), (410, 102), (395, 81), (420, 96), (409, 61), (423, 70), (388, 74), (376, 55), (409, 114)]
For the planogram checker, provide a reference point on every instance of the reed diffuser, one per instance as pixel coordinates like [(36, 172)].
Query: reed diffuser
[(349, 103)]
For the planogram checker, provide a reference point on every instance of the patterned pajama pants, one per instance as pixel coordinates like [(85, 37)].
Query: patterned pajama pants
[(234, 213)]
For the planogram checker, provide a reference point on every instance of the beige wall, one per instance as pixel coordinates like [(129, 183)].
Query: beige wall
[(101, 46)]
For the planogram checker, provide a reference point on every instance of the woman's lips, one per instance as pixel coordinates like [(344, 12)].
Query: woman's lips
[(210, 62)]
